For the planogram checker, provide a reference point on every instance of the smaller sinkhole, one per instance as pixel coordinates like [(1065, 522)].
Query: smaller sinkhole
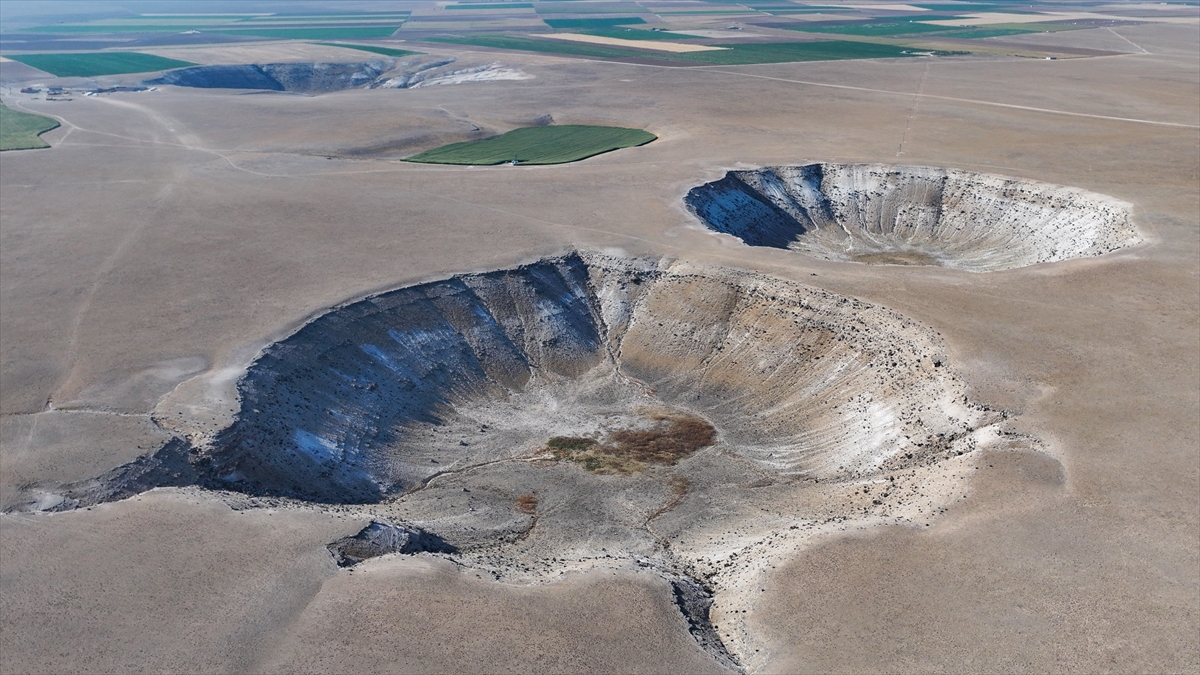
[(912, 215)]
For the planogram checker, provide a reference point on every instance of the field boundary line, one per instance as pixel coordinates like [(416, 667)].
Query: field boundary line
[(996, 104), (1141, 48)]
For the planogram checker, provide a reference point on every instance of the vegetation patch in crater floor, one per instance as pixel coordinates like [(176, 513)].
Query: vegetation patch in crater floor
[(98, 63), (632, 450), (537, 145), (22, 130)]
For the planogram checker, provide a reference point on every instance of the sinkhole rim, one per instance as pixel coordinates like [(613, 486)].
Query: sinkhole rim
[(896, 384), (787, 206)]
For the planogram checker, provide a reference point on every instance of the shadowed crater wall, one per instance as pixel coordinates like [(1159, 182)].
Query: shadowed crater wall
[(308, 78), (912, 215), (410, 72)]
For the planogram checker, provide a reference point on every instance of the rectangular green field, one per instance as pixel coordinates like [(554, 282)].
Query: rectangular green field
[(386, 51), (329, 33), (537, 145), (985, 32), (21, 130), (98, 63)]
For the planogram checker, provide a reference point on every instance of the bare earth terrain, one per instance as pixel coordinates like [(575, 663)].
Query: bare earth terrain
[(168, 237)]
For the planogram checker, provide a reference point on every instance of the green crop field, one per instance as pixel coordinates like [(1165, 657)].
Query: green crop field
[(985, 32), (537, 145), (593, 23), (97, 63), (386, 51), (782, 52), (21, 130)]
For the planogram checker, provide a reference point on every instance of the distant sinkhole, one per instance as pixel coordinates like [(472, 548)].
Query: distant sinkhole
[(912, 215)]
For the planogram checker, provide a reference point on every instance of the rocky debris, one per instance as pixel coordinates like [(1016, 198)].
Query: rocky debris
[(317, 78), (878, 213), (410, 73), (172, 465), (491, 72), (694, 602), (381, 538)]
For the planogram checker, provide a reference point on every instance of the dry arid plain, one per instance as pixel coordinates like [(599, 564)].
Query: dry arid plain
[(169, 239)]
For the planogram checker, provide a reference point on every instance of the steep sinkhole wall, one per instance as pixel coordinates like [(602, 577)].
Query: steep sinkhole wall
[(376, 397), (309, 78), (878, 213), (411, 72)]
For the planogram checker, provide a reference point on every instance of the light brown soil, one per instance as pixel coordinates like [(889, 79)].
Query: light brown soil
[(203, 225)]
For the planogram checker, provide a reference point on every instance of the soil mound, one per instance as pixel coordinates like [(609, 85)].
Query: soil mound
[(381, 538), (912, 215)]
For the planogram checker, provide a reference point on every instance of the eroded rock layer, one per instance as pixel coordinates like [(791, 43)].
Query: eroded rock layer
[(878, 213), (378, 396), (411, 72)]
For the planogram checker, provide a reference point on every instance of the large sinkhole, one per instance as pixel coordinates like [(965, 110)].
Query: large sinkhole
[(615, 365), (589, 410), (912, 215)]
